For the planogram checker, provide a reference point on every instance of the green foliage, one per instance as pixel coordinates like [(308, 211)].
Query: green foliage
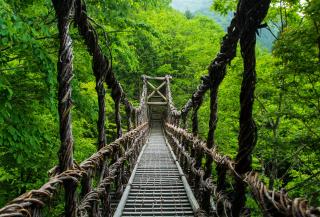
[(287, 99), (223, 6), (28, 129), (148, 37)]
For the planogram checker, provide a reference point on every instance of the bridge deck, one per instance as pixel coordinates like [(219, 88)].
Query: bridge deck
[(157, 188)]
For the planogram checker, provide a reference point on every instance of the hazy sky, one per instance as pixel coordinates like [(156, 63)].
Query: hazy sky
[(191, 5)]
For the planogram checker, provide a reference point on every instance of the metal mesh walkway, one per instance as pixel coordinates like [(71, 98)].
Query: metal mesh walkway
[(156, 187)]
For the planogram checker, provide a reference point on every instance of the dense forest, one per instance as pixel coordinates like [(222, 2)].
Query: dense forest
[(150, 37)]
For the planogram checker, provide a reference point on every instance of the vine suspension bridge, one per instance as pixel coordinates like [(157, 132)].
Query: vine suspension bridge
[(158, 168)]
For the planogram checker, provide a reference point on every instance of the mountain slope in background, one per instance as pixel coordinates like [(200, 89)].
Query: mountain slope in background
[(191, 5), (202, 7)]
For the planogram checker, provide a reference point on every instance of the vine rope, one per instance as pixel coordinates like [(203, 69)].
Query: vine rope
[(111, 166)]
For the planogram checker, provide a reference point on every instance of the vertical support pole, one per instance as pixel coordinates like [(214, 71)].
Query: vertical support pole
[(184, 120), (118, 118), (221, 185), (196, 153), (192, 155), (116, 95), (217, 72), (138, 116), (106, 203), (172, 116), (63, 10), (212, 124), (118, 181), (190, 150), (195, 125), (211, 134), (252, 16), (129, 117), (248, 130), (102, 113), (100, 65), (135, 124), (198, 156), (169, 115), (177, 120), (86, 184), (86, 188)]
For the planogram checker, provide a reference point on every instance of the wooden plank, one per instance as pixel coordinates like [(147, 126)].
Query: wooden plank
[(157, 103)]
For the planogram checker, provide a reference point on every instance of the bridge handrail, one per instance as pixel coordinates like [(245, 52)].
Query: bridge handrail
[(68, 173), (243, 27), (273, 202), (173, 114), (108, 164), (127, 148), (102, 68), (246, 21)]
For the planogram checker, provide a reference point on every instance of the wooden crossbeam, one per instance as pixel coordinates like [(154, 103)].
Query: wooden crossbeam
[(157, 90), (155, 78), (157, 103)]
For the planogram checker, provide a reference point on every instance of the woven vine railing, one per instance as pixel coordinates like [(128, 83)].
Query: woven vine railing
[(191, 151), (87, 186), (111, 166), (112, 158)]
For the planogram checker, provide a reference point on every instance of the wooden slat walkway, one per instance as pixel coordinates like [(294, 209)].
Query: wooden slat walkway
[(157, 188)]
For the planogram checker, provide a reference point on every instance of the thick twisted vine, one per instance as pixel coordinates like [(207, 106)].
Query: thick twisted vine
[(195, 122), (26, 204), (173, 115), (196, 96), (272, 202), (129, 113), (63, 11), (221, 200), (227, 53), (100, 64), (116, 95), (249, 21), (100, 191), (68, 173), (217, 72), (196, 103)]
